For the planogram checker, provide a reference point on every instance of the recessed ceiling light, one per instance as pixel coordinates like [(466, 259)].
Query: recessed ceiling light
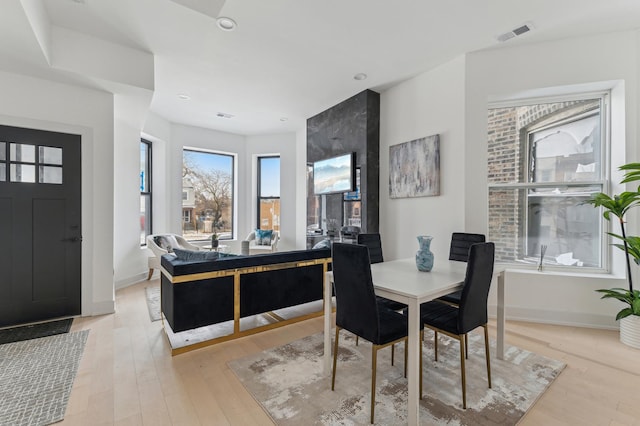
[(284, 119), (360, 76), (184, 96), (223, 115), (226, 24)]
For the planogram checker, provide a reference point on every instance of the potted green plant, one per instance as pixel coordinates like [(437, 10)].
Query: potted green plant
[(216, 226), (618, 206)]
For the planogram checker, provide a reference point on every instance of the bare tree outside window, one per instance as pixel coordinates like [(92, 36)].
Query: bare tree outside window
[(207, 202)]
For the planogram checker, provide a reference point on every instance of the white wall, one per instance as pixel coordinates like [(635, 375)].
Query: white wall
[(491, 74), (285, 146), (452, 100), (432, 103), (41, 104)]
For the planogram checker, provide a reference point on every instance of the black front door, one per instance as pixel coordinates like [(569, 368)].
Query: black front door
[(40, 225)]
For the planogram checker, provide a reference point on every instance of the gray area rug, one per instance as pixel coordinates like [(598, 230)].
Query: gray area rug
[(36, 377), (288, 382), (153, 302)]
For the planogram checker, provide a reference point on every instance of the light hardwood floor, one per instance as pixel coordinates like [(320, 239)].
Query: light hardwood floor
[(128, 377)]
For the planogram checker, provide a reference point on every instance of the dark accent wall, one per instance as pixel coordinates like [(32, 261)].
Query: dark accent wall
[(351, 126)]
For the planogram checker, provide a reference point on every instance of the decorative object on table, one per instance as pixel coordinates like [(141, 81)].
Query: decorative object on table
[(414, 168), (424, 256), (543, 250), (618, 206), (214, 241), (244, 248), (306, 398)]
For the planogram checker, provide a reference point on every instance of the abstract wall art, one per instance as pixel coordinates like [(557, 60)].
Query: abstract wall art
[(414, 168)]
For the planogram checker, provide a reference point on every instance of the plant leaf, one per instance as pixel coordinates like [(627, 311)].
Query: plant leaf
[(624, 313)]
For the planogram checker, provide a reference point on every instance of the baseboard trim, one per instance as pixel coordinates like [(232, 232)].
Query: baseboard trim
[(572, 319), (131, 280)]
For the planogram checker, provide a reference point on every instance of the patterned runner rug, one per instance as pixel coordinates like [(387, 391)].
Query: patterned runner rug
[(153, 302), (288, 382), (36, 377)]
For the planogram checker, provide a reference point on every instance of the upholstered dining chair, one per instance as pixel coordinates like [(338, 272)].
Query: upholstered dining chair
[(374, 244), (459, 251), (358, 311), (470, 314)]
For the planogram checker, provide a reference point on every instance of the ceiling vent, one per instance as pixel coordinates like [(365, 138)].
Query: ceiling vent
[(514, 33), (224, 115)]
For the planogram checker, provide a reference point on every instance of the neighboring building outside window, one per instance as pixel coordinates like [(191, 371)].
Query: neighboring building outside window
[(269, 193), (145, 191), (207, 194), (544, 160)]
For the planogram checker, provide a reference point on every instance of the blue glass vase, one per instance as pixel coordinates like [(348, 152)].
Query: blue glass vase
[(424, 256)]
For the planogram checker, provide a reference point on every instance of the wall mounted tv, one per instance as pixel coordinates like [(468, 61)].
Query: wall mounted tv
[(334, 175)]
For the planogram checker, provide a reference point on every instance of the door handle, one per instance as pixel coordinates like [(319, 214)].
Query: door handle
[(72, 239)]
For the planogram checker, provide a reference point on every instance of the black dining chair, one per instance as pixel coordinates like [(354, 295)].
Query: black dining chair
[(459, 251), (357, 309), (471, 313), (374, 244)]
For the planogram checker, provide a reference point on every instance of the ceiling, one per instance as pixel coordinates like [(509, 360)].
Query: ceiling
[(288, 60)]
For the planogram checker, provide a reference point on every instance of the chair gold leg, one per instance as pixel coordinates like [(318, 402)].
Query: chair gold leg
[(393, 350), (435, 344), (335, 359), (374, 362), (466, 346), (150, 274), (462, 370), (486, 350)]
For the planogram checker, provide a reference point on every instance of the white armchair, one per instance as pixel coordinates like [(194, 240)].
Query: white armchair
[(160, 244), (255, 248)]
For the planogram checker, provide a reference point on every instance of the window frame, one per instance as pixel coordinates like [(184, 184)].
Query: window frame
[(232, 182), (259, 187), (148, 184), (604, 183)]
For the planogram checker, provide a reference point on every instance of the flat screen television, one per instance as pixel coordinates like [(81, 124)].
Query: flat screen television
[(334, 175)]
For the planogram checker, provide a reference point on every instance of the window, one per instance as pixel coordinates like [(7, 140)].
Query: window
[(207, 194), (145, 191), (544, 160), (269, 193)]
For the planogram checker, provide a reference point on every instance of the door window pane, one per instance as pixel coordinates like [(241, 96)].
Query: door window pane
[(50, 155), (3, 152), (23, 173), (50, 174), (23, 153), (3, 172)]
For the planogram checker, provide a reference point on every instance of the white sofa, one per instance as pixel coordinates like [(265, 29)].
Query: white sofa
[(257, 249), (166, 241)]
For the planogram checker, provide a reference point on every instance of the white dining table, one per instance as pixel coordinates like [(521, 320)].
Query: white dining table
[(401, 281)]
